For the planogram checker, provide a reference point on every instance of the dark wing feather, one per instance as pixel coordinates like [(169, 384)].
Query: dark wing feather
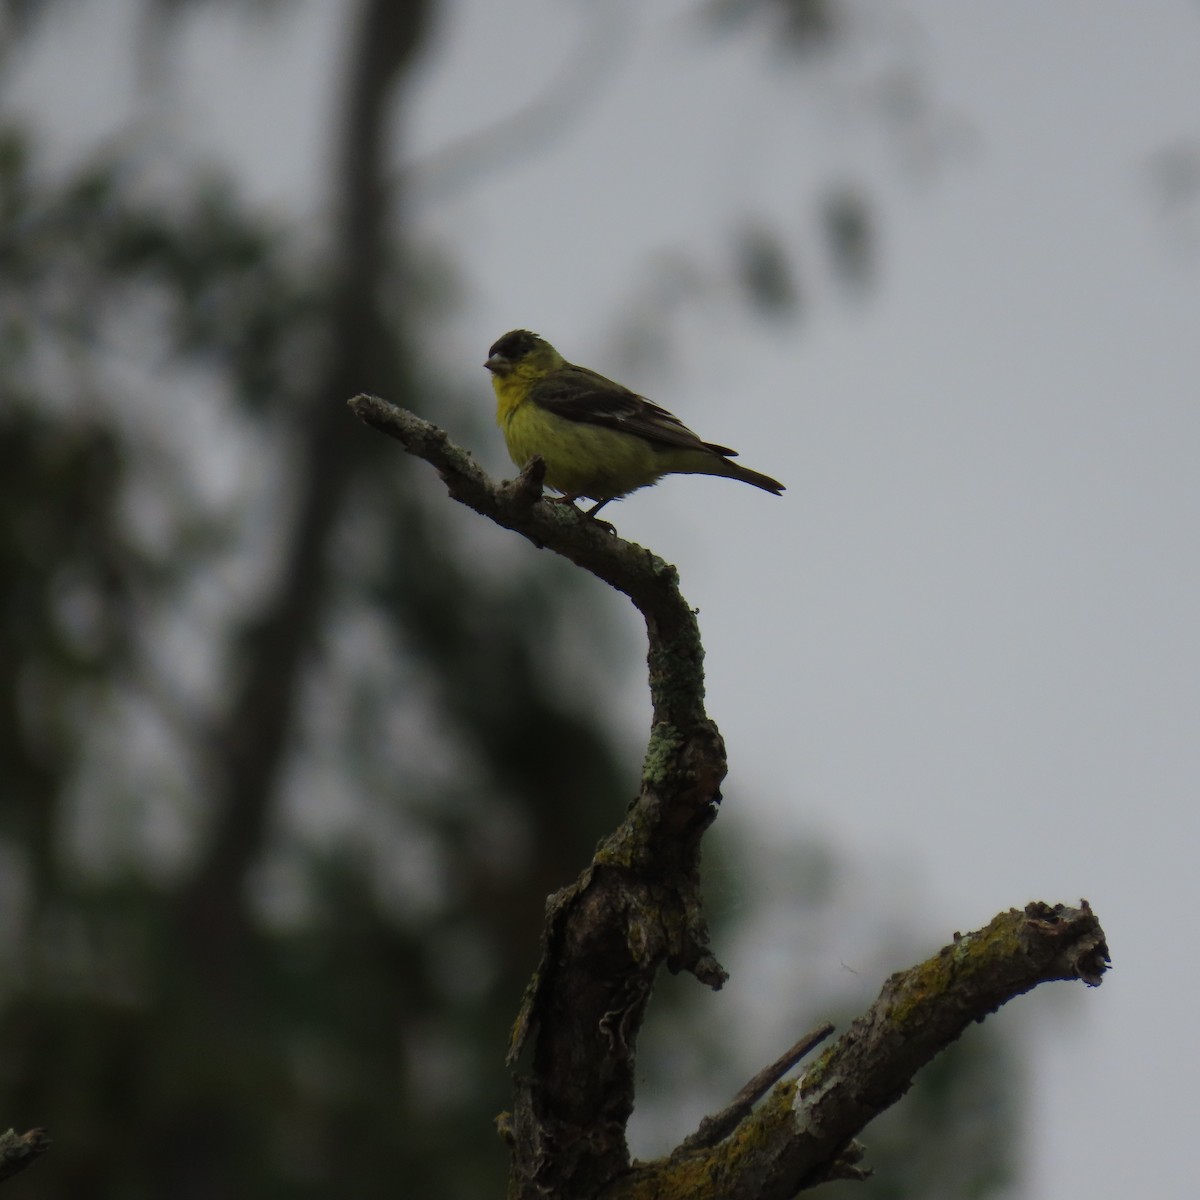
[(582, 395)]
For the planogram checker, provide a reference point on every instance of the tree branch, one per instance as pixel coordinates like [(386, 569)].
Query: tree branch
[(717, 1128), (676, 656), (637, 907), (249, 741), (20, 1150), (799, 1137)]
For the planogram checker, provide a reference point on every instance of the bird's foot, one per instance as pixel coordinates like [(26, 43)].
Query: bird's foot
[(589, 514)]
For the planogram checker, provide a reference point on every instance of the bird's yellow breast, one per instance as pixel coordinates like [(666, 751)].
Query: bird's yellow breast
[(512, 391), (582, 459)]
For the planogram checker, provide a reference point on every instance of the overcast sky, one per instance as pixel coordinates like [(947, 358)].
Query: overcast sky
[(967, 636)]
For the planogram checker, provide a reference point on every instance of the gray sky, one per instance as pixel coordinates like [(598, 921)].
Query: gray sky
[(966, 638)]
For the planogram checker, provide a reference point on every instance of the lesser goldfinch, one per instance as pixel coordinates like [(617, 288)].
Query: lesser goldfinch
[(599, 440)]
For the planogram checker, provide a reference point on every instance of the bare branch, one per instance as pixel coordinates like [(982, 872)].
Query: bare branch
[(676, 655), (800, 1136), (637, 907), (20, 1150)]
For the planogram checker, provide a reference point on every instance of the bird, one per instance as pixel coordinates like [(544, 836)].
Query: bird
[(599, 440)]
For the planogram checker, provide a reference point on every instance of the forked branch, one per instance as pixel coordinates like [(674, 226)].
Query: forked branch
[(804, 1133), (636, 908)]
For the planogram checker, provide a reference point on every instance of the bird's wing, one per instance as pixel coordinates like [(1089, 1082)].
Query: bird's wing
[(582, 395)]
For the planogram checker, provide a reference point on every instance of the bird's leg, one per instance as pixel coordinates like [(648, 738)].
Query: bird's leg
[(608, 526), (589, 513)]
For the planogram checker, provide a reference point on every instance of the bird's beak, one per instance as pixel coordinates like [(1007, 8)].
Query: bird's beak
[(497, 364)]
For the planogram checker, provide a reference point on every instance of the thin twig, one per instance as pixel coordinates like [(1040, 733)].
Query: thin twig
[(719, 1126)]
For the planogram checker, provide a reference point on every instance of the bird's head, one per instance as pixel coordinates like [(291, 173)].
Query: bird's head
[(522, 352)]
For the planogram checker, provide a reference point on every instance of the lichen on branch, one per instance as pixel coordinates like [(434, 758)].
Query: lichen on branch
[(636, 908)]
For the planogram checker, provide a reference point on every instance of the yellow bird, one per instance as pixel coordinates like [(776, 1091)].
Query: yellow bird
[(599, 440)]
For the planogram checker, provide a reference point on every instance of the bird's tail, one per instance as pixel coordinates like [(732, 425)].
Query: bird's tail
[(732, 470), (718, 460)]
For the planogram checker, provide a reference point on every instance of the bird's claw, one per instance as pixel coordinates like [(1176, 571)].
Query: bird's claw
[(587, 514)]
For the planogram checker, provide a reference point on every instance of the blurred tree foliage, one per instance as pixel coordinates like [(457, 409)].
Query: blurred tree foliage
[(288, 764)]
